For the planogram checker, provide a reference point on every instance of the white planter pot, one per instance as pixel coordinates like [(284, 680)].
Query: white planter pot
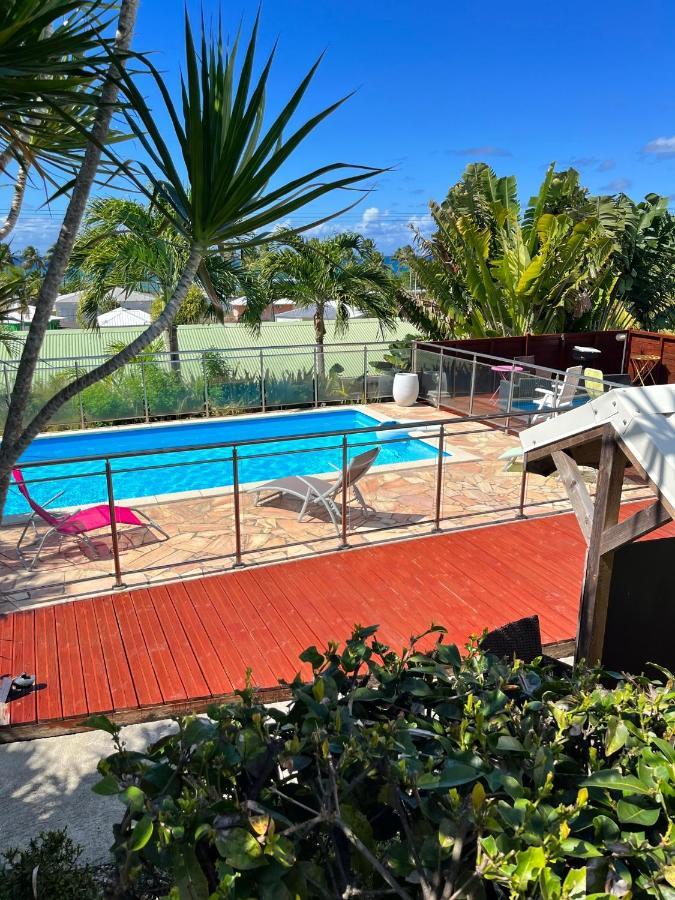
[(406, 388)]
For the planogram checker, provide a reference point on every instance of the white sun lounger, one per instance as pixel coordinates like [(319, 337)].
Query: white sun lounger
[(312, 490)]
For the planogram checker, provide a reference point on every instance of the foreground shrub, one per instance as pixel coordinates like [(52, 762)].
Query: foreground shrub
[(49, 869), (421, 775)]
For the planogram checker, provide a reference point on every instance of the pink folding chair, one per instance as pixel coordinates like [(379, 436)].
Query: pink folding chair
[(75, 525)]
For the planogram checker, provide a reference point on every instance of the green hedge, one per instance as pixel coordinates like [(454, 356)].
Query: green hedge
[(426, 775)]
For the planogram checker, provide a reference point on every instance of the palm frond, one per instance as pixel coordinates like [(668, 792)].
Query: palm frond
[(216, 192)]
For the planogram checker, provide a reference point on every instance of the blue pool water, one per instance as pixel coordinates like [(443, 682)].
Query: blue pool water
[(190, 470)]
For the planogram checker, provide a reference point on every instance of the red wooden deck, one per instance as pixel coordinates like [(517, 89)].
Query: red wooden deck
[(166, 649)]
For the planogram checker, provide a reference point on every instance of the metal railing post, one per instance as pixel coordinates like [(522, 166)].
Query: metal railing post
[(345, 490), (413, 357), (440, 376), (510, 402), (146, 410), (119, 584), (206, 386), (473, 385), (365, 373), (439, 480), (523, 488), (262, 381), (79, 397), (316, 380), (237, 512)]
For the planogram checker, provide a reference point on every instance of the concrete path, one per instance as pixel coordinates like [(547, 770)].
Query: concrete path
[(46, 784)]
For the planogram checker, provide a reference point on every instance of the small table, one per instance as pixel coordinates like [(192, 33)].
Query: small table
[(503, 372), (644, 365)]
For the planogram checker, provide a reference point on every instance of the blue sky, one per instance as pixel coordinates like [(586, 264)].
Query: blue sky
[(441, 84)]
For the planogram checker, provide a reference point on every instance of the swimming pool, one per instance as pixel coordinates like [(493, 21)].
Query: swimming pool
[(194, 470)]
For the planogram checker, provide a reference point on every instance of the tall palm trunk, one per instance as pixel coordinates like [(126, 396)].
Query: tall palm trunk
[(113, 363), (18, 194), (12, 447), (319, 333), (172, 342)]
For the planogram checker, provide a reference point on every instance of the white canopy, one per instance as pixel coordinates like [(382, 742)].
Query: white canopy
[(644, 419), (123, 318), (16, 316), (330, 312)]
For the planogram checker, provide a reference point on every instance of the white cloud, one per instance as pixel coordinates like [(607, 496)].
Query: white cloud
[(661, 147), (388, 230), (616, 186), (40, 231), (372, 214)]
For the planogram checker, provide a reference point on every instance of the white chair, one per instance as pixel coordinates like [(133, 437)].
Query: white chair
[(560, 396)]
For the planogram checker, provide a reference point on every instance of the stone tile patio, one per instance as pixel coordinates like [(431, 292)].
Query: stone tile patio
[(476, 491)]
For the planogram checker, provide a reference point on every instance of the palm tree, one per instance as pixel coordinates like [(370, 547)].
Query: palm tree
[(126, 244), (215, 191), (56, 34), (49, 52), (491, 271), (345, 270)]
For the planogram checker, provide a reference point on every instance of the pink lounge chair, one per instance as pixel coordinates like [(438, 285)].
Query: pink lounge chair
[(77, 524)]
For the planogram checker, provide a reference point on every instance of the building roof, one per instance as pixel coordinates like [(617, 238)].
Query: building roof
[(330, 312), (122, 317), (16, 315), (643, 418)]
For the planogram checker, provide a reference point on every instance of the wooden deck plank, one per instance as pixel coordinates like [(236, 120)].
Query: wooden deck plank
[(97, 689), (23, 709), (145, 680), (6, 643), (265, 654), (48, 698), (159, 647), (71, 678), (120, 680), (179, 641), (223, 642), (168, 649), (210, 665)]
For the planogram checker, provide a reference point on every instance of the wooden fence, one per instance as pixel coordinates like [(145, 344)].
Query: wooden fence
[(556, 351)]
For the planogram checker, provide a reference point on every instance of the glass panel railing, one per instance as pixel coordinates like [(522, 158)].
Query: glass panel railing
[(428, 364), (289, 378)]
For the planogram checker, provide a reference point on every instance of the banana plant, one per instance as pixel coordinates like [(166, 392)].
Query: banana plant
[(216, 190), (492, 271)]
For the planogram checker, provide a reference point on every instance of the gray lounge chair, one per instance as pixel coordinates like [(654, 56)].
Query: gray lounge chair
[(318, 491)]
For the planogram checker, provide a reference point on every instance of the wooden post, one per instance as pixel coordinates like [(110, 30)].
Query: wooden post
[(598, 571)]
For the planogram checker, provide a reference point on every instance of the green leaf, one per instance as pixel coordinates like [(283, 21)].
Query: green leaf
[(102, 723), (615, 780), (549, 885), (529, 864), (510, 744), (665, 747), (574, 885), (107, 786), (240, 849), (577, 847), (449, 655), (141, 834), (634, 811), (283, 850), (669, 875), (453, 774), (189, 876), (134, 798), (312, 656), (616, 736)]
